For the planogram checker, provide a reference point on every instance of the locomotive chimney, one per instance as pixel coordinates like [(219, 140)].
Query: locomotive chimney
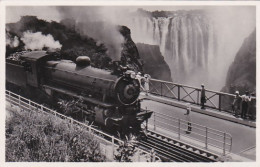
[(82, 61)]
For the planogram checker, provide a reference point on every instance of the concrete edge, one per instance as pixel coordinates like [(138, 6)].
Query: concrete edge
[(206, 112)]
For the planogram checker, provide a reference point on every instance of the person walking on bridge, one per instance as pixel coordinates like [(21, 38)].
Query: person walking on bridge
[(188, 119), (202, 97)]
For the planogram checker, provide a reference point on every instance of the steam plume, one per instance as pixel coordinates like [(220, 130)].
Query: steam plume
[(12, 42), (91, 21), (37, 41)]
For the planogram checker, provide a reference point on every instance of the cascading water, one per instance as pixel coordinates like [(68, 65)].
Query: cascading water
[(186, 41)]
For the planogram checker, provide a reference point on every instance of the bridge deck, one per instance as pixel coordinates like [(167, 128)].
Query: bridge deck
[(196, 108), (244, 137)]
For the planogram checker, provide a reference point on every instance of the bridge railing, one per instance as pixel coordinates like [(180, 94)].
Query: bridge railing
[(215, 100), (29, 105), (202, 134)]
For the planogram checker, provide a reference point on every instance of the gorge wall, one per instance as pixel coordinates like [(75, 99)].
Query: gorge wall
[(242, 72)]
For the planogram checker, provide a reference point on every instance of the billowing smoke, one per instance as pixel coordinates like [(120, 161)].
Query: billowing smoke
[(38, 41), (12, 42), (91, 21)]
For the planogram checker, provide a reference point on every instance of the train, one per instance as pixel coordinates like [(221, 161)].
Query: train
[(109, 98)]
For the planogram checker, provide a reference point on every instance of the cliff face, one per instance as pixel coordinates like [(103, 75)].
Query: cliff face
[(242, 72), (154, 63)]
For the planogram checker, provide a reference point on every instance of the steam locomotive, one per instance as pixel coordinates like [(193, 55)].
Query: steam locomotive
[(109, 98)]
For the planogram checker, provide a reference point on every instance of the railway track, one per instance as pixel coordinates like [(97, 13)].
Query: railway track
[(170, 150)]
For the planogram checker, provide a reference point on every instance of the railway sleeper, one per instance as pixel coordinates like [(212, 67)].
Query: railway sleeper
[(179, 144), (177, 150), (181, 152)]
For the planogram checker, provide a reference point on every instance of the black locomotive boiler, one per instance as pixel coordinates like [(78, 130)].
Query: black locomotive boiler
[(109, 98)]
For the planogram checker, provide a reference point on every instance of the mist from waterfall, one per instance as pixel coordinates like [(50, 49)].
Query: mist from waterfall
[(187, 42), (198, 46)]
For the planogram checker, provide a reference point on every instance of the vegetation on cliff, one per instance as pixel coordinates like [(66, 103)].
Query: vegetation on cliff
[(38, 137)]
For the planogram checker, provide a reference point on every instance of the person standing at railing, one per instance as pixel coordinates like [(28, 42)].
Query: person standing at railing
[(252, 107), (202, 97), (236, 104), (245, 102), (188, 117), (140, 78), (146, 83)]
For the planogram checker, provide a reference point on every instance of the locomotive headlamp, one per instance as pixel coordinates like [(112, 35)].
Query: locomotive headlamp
[(130, 74)]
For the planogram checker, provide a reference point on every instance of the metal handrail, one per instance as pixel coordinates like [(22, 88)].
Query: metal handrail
[(168, 117), (162, 86), (41, 108), (224, 140)]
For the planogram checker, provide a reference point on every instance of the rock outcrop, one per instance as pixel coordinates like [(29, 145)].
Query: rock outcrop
[(242, 72), (154, 63)]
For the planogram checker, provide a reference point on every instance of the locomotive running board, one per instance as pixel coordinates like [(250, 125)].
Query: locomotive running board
[(67, 92)]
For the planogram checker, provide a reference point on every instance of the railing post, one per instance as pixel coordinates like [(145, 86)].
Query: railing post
[(138, 155), (198, 96), (154, 127), (146, 126), (179, 93), (206, 140), (224, 144), (219, 102), (161, 88), (19, 97), (30, 104), (113, 145), (9, 95), (179, 129), (41, 108), (230, 143)]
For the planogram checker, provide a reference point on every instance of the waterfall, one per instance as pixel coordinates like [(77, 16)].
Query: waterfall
[(186, 41)]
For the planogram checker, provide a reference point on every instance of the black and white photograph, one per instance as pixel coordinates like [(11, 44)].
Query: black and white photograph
[(130, 83)]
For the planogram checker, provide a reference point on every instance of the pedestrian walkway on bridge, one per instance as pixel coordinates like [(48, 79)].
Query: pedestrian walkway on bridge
[(220, 103), (196, 108), (243, 132)]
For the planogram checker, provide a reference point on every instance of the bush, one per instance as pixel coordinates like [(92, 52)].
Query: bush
[(33, 136)]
